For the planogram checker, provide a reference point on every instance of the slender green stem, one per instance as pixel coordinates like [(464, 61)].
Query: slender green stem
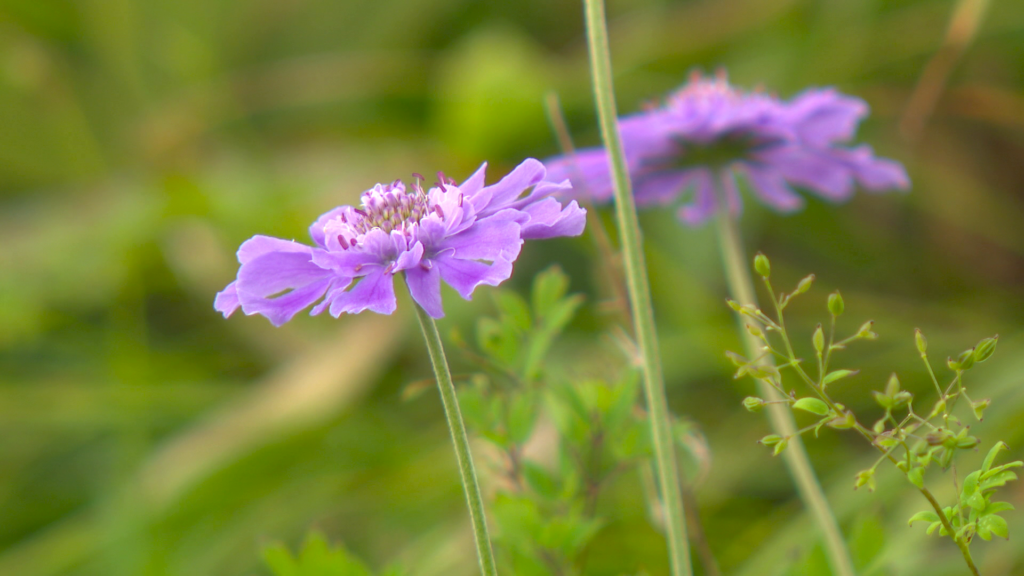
[(639, 290), (781, 419), (461, 441)]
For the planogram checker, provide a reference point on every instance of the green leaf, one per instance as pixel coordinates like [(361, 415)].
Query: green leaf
[(996, 507), (317, 558), (990, 458), (280, 561), (540, 480), (522, 414), (923, 516), (548, 288), (513, 309), (812, 405), (916, 477), (551, 325), (837, 375), (995, 524)]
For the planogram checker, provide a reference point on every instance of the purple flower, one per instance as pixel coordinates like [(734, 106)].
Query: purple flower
[(466, 235), (708, 132)]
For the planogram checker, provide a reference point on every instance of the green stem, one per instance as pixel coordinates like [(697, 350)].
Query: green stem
[(781, 419), (461, 441), (639, 290)]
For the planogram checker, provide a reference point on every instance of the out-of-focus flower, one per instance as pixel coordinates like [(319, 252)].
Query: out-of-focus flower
[(466, 235), (690, 150)]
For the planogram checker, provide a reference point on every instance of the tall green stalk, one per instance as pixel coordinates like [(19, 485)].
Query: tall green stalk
[(461, 441), (737, 272), (639, 290)]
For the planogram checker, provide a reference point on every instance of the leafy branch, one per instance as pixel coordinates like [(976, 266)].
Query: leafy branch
[(910, 439)]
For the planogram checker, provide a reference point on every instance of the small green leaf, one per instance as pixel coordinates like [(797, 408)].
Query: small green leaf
[(812, 405), (990, 458), (522, 414), (513, 309), (548, 288), (996, 507), (916, 477), (770, 440), (540, 480), (924, 516), (837, 375), (996, 524)]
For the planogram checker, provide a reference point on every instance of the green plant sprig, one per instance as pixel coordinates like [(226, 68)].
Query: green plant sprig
[(912, 442)]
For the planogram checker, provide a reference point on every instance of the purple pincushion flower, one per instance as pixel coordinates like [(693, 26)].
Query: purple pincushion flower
[(708, 132), (466, 235)]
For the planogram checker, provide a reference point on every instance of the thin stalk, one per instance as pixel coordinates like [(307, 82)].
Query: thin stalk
[(639, 290), (461, 441), (742, 289)]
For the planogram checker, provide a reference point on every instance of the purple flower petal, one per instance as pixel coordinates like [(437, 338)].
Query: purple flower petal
[(375, 292), (818, 170), (260, 245), (316, 230), (226, 301), (704, 203), (424, 283), (771, 187), (824, 116), (548, 219), (474, 183), (280, 284), (501, 194), (495, 237), (874, 173), (465, 275)]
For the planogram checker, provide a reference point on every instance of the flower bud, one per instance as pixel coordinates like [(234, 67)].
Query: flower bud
[(762, 265), (979, 408), (921, 341), (984, 350), (755, 331), (843, 422), (835, 303), (818, 339), (770, 440), (893, 386), (966, 359), (865, 478), (753, 404), (780, 446), (804, 285), (865, 331)]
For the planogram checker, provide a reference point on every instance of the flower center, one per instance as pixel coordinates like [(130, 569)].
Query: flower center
[(390, 207)]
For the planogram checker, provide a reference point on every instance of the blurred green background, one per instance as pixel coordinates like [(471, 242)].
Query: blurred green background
[(143, 140)]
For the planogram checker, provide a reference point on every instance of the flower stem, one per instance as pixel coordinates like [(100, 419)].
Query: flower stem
[(461, 441), (639, 290), (742, 289)]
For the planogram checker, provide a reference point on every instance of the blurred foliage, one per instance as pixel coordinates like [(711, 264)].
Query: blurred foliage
[(143, 140)]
